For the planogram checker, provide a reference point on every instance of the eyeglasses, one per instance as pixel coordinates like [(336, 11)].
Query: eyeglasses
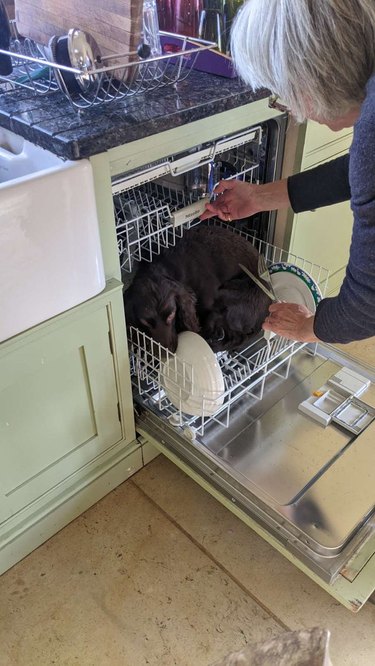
[(273, 103)]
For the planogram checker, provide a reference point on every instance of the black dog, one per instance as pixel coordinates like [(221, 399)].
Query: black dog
[(198, 286)]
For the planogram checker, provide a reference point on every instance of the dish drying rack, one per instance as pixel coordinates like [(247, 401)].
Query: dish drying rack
[(245, 372), (103, 82)]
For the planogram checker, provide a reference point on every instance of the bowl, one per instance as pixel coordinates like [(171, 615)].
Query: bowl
[(192, 377)]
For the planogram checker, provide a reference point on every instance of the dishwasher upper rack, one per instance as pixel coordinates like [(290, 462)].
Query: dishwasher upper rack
[(245, 372), (104, 83), (144, 203)]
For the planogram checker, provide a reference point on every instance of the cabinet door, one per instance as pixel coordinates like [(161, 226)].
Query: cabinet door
[(323, 144), (58, 406), (323, 237)]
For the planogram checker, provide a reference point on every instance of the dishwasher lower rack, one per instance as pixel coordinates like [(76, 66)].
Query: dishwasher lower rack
[(244, 372)]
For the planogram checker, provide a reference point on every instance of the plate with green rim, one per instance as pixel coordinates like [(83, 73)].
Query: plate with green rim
[(292, 284)]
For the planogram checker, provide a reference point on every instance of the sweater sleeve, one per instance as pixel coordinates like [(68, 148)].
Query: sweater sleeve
[(323, 185), (351, 314)]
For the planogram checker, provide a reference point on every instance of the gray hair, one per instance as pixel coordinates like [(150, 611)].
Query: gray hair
[(317, 55)]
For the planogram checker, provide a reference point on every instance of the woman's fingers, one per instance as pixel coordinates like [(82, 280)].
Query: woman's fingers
[(222, 207), (209, 211), (234, 200), (225, 185), (283, 309), (214, 209), (292, 321)]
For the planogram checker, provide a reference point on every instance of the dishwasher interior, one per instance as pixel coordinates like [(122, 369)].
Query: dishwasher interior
[(258, 442)]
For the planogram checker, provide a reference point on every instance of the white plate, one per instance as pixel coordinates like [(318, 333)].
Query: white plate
[(293, 285), (192, 377)]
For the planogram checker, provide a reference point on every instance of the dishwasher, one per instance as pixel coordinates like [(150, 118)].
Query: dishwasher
[(290, 447)]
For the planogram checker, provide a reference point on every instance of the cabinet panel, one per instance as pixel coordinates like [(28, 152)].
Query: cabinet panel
[(321, 143), (323, 237), (58, 406)]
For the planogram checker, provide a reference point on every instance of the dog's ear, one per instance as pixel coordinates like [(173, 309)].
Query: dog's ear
[(186, 314)]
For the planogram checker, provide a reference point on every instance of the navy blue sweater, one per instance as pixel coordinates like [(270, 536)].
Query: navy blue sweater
[(351, 314)]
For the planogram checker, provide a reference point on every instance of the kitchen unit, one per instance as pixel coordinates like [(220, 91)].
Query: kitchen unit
[(324, 236), (96, 443)]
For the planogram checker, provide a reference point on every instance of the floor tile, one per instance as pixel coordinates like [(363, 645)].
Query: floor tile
[(279, 585), (122, 585), (364, 350)]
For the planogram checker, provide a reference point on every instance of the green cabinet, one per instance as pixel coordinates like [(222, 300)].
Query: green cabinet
[(64, 409), (323, 236)]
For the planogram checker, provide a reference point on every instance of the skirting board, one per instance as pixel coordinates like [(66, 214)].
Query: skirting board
[(71, 503)]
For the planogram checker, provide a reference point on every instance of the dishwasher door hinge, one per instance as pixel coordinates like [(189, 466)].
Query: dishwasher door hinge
[(110, 340)]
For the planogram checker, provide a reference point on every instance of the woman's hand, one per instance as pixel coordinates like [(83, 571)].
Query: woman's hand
[(237, 199), (291, 321)]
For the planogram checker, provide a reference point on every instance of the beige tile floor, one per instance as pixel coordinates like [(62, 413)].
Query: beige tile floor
[(160, 573)]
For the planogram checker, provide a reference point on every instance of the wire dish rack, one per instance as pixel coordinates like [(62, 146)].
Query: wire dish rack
[(166, 383), (31, 69), (102, 82), (144, 213)]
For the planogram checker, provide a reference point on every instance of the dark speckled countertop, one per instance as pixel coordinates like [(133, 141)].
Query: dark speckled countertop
[(51, 122)]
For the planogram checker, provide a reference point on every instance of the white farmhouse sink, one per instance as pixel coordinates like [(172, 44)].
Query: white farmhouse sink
[(50, 255)]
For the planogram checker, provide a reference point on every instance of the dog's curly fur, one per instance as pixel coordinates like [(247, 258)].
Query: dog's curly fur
[(198, 286)]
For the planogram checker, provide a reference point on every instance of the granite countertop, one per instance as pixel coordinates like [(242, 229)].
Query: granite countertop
[(51, 122)]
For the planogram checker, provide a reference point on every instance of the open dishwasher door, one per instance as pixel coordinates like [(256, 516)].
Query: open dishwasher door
[(306, 488)]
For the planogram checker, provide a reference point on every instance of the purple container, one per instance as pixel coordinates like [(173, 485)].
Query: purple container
[(212, 62)]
